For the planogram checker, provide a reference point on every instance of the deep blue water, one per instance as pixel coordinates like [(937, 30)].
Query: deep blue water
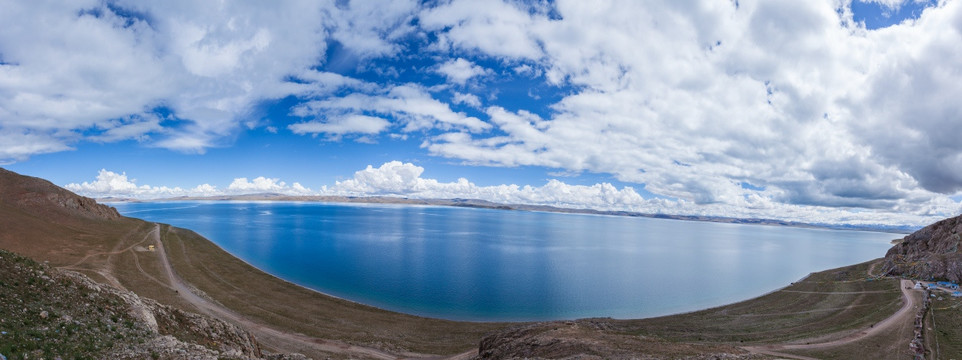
[(479, 264)]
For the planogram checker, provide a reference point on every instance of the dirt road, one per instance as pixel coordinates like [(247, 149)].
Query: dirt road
[(267, 335), (904, 315)]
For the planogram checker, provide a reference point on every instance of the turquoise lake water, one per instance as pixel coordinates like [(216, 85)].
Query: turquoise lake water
[(487, 265)]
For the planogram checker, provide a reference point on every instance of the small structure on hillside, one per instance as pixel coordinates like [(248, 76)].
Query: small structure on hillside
[(957, 294), (151, 248), (948, 285), (918, 286)]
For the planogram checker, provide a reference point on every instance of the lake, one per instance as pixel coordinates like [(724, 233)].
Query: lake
[(493, 265)]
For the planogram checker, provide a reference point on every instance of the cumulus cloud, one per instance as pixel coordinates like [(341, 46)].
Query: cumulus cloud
[(404, 179), (401, 179), (459, 71), (111, 184), (118, 185), (262, 184), (466, 99)]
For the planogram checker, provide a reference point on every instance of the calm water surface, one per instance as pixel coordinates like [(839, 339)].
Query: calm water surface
[(479, 264)]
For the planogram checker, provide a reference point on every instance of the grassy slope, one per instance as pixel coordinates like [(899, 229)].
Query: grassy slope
[(826, 306), (944, 328), (45, 315), (824, 302)]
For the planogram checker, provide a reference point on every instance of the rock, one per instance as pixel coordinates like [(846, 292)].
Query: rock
[(113, 324), (930, 253)]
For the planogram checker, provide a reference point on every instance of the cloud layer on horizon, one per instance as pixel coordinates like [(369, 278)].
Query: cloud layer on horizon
[(397, 179), (737, 107)]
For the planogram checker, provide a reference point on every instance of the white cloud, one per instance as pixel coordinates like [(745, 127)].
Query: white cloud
[(694, 100), (459, 70), (66, 68), (262, 184), (411, 105), (19, 144), (691, 100), (404, 179), (892, 4), (349, 124), (369, 26), (466, 99), (490, 26), (111, 184), (396, 178)]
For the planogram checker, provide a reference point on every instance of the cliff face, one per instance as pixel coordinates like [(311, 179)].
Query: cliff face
[(44, 199), (930, 253)]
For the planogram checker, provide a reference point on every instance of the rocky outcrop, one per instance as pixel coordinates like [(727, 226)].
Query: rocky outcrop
[(917, 345), (42, 198), (49, 313), (934, 252)]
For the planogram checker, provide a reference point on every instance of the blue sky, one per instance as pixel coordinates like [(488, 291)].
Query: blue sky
[(808, 111)]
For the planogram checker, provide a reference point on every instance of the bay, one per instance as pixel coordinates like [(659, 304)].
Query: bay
[(496, 265)]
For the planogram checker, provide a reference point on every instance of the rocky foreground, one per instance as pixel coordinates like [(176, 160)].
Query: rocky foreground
[(932, 253), (48, 313)]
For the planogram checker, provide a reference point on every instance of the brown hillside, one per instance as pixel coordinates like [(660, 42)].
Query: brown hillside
[(930, 253), (42, 198), (44, 221)]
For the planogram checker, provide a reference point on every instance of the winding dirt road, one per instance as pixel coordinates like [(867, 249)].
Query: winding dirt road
[(265, 334), (906, 314)]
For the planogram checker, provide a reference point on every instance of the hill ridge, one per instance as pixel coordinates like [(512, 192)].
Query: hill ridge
[(43, 198)]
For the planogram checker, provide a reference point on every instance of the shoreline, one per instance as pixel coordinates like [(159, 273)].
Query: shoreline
[(628, 325), (720, 301)]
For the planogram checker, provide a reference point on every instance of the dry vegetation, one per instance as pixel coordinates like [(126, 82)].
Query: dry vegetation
[(944, 328), (823, 303)]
